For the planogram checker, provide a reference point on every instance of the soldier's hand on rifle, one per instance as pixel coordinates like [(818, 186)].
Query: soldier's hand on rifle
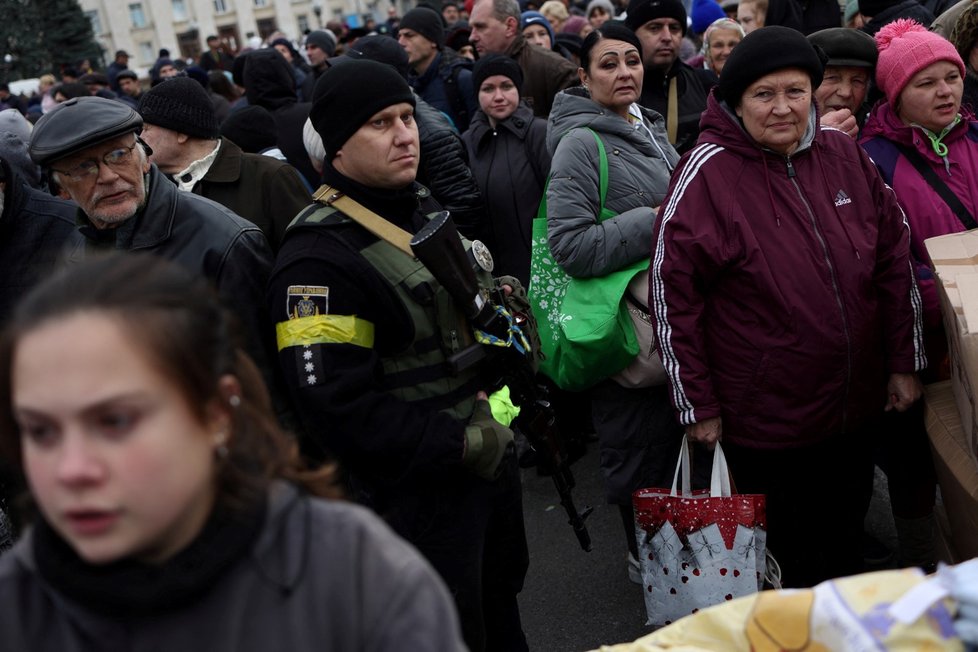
[(487, 441)]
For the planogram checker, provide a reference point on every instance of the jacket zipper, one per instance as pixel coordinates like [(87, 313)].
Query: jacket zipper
[(835, 288)]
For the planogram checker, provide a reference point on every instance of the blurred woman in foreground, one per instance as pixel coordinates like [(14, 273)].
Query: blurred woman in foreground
[(172, 512)]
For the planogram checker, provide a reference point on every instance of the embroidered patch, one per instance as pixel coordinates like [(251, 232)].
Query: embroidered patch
[(307, 301)]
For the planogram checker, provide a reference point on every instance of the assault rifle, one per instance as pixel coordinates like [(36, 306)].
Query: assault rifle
[(438, 246)]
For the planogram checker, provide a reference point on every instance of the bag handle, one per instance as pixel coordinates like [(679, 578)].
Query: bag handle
[(927, 172), (721, 484), (602, 183), (682, 465)]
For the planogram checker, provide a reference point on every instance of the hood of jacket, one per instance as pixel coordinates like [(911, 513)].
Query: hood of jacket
[(573, 108), (268, 80)]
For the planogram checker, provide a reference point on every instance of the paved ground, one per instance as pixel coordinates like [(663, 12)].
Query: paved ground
[(576, 601)]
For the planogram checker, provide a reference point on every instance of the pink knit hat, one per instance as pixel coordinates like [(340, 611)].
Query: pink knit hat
[(906, 48)]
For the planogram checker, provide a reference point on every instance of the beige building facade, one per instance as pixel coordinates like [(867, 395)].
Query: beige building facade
[(143, 27)]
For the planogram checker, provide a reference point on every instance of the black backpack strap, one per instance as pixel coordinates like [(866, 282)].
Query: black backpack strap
[(941, 188)]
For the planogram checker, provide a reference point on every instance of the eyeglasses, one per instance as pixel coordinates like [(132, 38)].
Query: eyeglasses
[(85, 169)]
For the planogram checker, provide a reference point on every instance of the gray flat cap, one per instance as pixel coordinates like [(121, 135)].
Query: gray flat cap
[(79, 123)]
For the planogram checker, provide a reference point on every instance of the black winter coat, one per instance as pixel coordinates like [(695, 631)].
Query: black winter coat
[(444, 170), (204, 237), (511, 164), (34, 227), (692, 86)]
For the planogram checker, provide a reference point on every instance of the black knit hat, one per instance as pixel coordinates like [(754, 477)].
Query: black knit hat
[(425, 22), (324, 40), (375, 47), (496, 64), (180, 104), (640, 12), (846, 47), (348, 94), (764, 51)]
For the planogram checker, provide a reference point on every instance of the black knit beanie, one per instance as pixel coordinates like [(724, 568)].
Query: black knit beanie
[(180, 104), (496, 64), (764, 51), (425, 22), (348, 94), (640, 12)]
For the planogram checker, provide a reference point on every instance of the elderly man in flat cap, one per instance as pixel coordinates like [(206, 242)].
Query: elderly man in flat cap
[(92, 150), (841, 96)]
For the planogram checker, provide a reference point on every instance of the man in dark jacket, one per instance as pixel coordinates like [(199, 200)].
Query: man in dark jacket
[(442, 78), (112, 72), (671, 88), (269, 83), (216, 58), (180, 127), (496, 29), (364, 333), (34, 227), (91, 148)]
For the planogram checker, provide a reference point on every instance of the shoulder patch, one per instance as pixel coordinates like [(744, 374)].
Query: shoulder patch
[(307, 301)]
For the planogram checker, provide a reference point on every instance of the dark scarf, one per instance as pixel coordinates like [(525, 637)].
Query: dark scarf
[(130, 588)]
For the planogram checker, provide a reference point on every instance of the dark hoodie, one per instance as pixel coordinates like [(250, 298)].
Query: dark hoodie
[(269, 83), (781, 286)]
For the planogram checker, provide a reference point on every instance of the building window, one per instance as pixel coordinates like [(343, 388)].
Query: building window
[(221, 6), (261, 3), (303, 23), (136, 15), (179, 10), (147, 54), (95, 20)]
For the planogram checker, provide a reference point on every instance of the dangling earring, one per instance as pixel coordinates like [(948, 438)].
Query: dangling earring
[(234, 401), (221, 451)]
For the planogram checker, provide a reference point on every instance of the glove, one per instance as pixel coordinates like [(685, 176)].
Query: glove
[(487, 442)]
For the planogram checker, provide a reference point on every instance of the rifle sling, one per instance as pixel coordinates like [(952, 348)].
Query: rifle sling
[(365, 218)]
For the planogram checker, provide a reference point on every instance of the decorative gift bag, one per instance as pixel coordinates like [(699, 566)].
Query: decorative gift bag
[(586, 331), (698, 549)]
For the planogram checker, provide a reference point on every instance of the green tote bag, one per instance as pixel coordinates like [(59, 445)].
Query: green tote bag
[(586, 333)]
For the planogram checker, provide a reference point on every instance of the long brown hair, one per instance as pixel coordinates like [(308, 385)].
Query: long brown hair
[(179, 321)]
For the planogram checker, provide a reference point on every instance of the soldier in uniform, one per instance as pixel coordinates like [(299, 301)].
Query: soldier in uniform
[(364, 333)]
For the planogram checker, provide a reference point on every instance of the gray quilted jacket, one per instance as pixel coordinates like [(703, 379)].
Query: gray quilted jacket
[(640, 161)]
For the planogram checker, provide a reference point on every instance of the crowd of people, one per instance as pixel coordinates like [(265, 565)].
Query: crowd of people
[(234, 396)]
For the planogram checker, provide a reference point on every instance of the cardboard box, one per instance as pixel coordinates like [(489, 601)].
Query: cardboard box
[(955, 260), (957, 470)]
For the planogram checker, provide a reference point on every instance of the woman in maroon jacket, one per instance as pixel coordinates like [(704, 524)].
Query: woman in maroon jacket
[(785, 302)]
